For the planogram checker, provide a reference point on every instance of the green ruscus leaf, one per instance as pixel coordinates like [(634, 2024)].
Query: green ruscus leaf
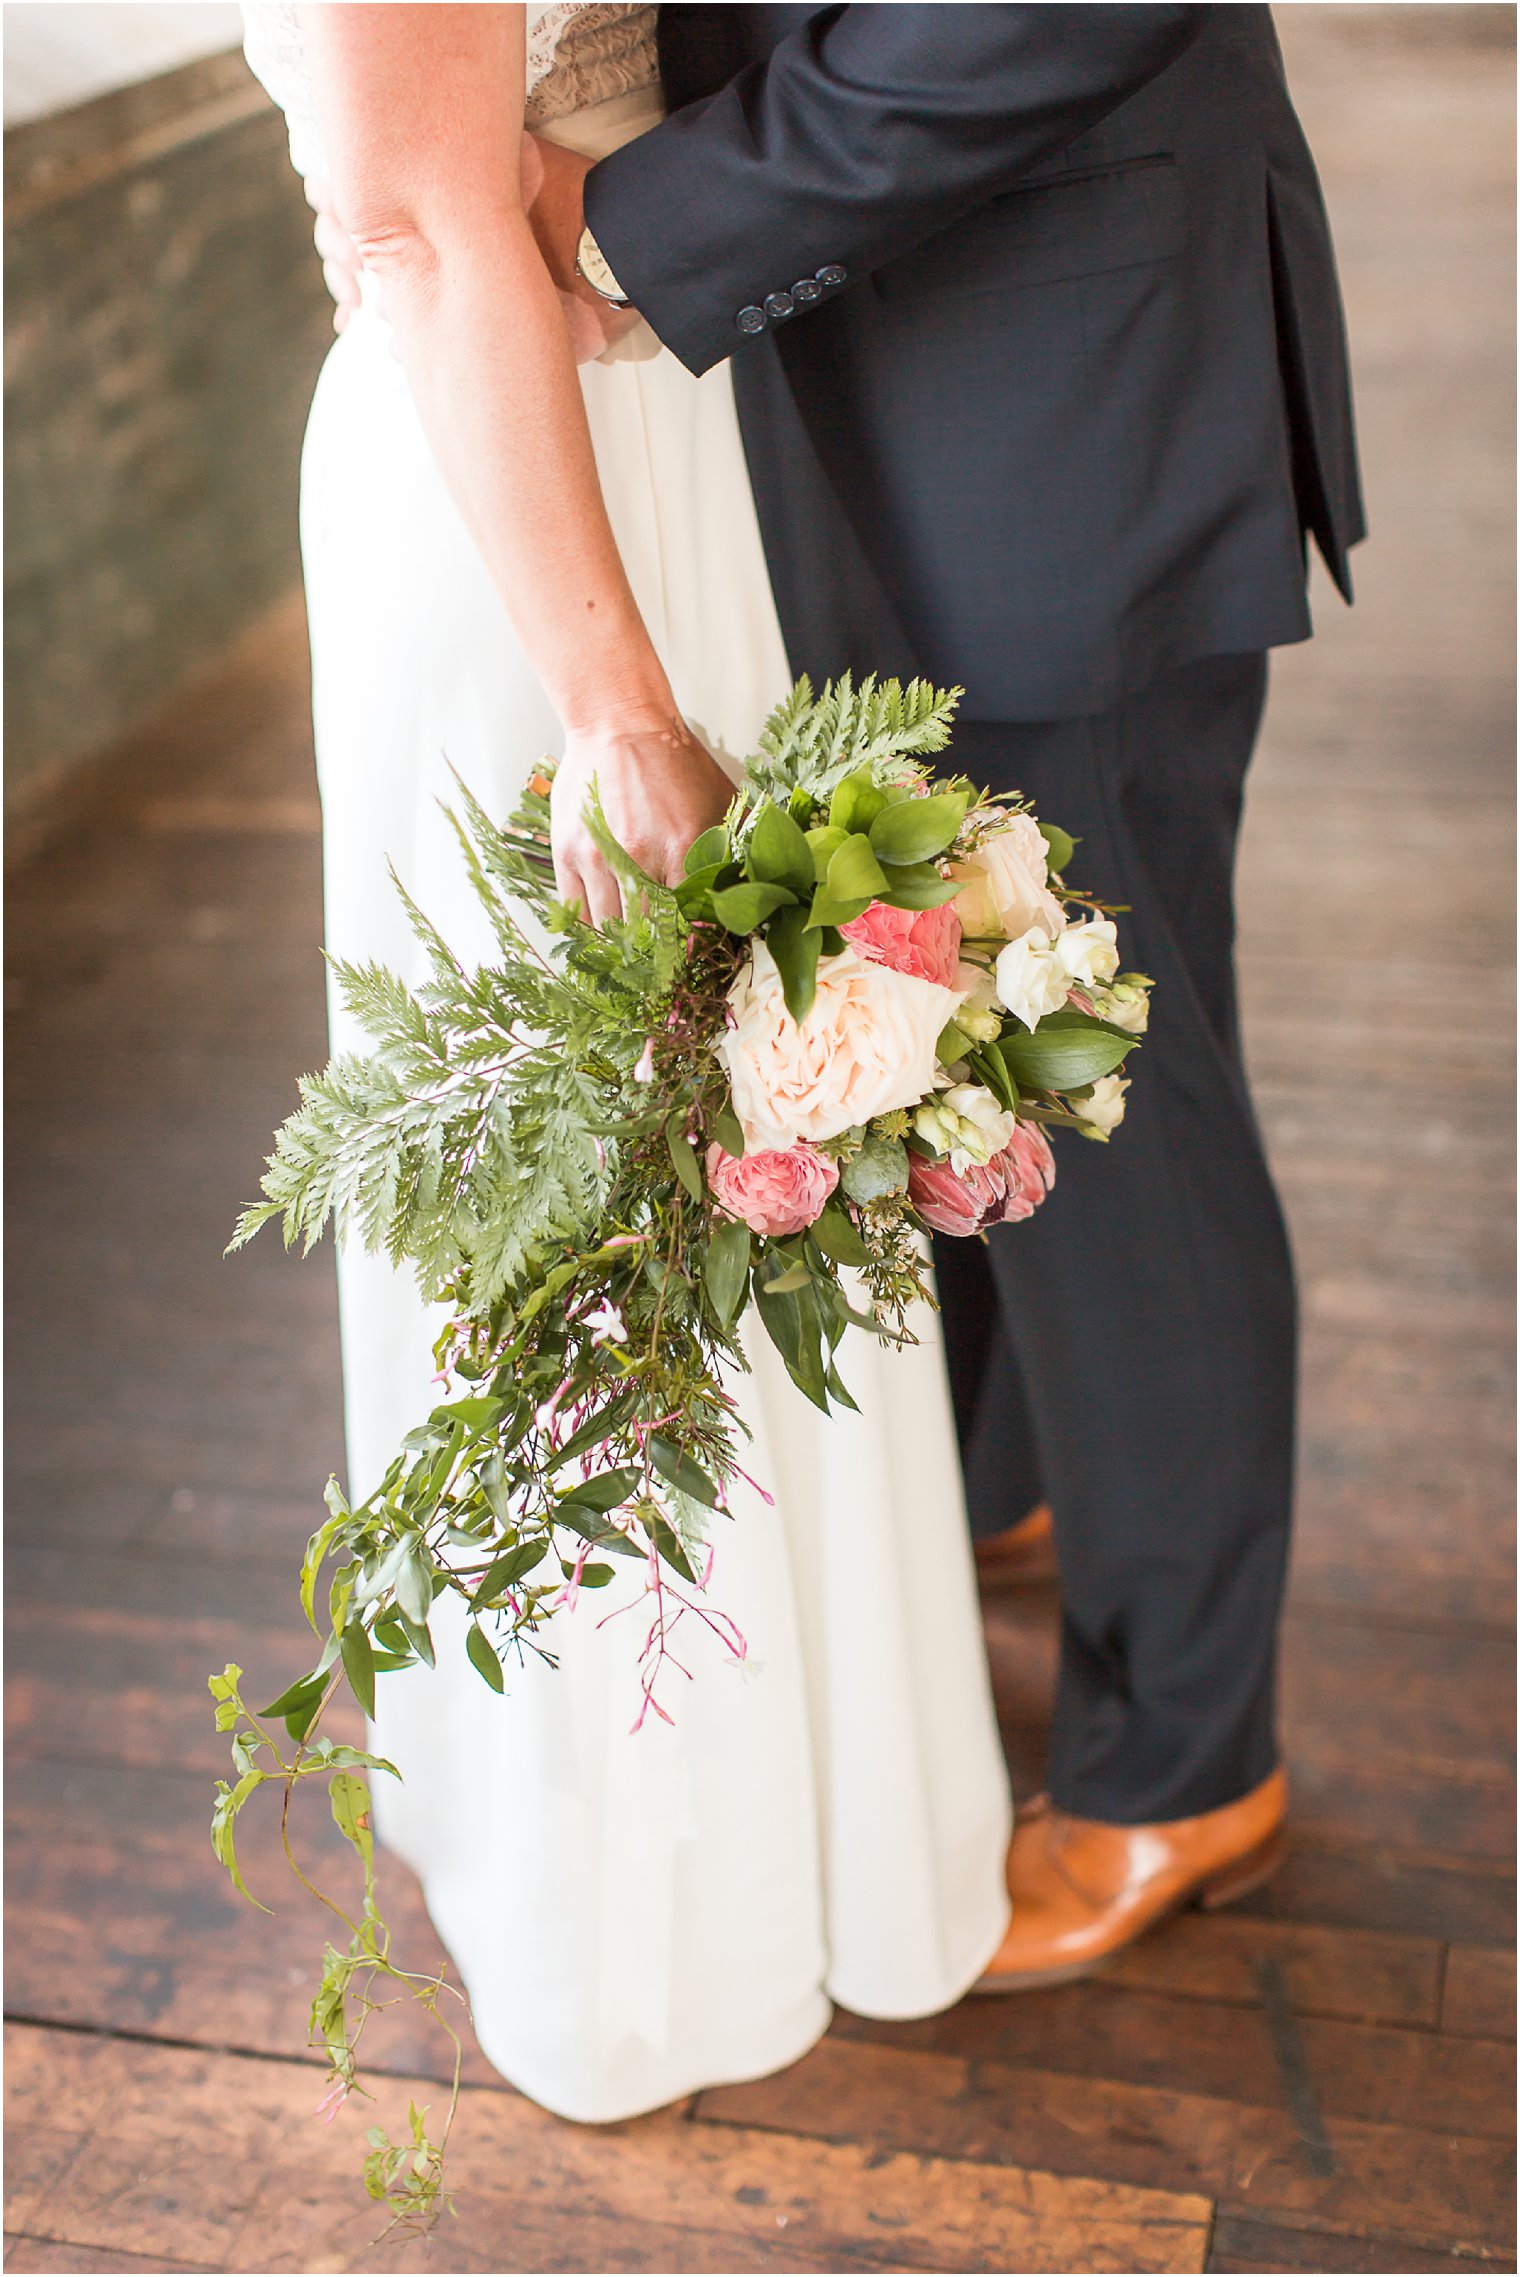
[(1062, 1058), (915, 830), (778, 853), (726, 1269)]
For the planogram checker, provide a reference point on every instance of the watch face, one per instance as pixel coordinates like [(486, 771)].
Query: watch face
[(593, 267)]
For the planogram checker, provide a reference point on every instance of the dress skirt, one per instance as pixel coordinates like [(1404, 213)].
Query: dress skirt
[(639, 1915)]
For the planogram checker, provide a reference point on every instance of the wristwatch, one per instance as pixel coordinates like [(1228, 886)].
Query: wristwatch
[(591, 263)]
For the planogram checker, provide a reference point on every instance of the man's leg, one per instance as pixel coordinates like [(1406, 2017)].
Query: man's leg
[(998, 1454), (1149, 1305)]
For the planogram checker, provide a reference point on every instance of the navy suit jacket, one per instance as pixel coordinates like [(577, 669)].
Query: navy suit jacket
[(1036, 338)]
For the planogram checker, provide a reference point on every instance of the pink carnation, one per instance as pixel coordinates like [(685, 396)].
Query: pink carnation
[(923, 942), (775, 1193), (1009, 1187)]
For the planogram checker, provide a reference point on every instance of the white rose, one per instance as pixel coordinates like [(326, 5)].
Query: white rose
[(966, 1123), (1005, 892), (1104, 1111), (1090, 952), (1031, 979), (866, 1047)]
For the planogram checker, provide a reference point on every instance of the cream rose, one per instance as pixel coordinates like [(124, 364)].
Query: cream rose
[(1005, 892), (866, 1046)]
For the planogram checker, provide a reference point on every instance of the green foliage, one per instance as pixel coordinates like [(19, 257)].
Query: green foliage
[(726, 1269), (811, 744), (1060, 846), (779, 853), (915, 830), (1066, 1052)]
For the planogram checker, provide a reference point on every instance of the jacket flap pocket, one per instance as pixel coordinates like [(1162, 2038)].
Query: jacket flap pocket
[(1065, 225)]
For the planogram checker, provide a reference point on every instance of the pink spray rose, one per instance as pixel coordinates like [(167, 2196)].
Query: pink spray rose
[(923, 942), (774, 1193), (1009, 1187)]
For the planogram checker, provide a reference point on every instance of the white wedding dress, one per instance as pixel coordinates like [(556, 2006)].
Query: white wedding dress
[(637, 1916)]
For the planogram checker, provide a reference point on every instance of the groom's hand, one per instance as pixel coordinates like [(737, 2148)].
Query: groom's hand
[(552, 188), (551, 194), (659, 790), (339, 254)]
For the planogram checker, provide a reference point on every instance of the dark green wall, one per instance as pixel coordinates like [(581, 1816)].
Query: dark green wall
[(164, 322)]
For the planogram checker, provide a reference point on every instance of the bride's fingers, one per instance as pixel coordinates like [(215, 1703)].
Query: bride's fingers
[(602, 897), (568, 885)]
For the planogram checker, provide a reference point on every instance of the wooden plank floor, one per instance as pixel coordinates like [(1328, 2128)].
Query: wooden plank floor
[(1318, 2080)]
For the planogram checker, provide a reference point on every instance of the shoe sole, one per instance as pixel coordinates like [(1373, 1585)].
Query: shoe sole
[(1237, 1880)]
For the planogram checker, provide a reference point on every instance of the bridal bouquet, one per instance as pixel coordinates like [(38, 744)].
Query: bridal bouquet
[(857, 1017)]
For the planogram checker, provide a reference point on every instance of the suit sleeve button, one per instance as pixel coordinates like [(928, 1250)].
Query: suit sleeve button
[(778, 305), (751, 319), (806, 290), (832, 273)]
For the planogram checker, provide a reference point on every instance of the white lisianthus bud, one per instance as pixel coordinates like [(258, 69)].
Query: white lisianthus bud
[(1032, 979), (985, 1127), (934, 1125), (1126, 1003), (1089, 952), (966, 1123), (1104, 1111), (979, 1016)]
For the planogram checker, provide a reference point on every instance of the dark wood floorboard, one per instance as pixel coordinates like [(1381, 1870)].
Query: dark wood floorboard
[(174, 1414)]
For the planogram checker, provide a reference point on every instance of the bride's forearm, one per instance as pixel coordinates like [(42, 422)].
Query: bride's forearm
[(421, 110), (481, 336)]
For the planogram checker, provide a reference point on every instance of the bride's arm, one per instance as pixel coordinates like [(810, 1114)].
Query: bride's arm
[(421, 109)]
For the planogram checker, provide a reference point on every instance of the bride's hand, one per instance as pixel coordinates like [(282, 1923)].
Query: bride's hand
[(659, 790)]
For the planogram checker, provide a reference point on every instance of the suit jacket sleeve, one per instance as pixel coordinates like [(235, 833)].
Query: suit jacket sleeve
[(864, 132)]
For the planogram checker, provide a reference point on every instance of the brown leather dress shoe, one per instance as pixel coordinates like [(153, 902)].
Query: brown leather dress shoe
[(1021, 1553), (1081, 1888)]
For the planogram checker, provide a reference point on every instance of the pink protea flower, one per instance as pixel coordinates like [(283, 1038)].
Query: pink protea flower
[(950, 1201), (923, 942), (1009, 1187), (1028, 1169), (775, 1193)]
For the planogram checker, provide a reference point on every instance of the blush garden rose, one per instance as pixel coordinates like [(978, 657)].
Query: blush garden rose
[(865, 1047)]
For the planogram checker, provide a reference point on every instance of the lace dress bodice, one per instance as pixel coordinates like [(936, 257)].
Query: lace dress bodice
[(580, 54)]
